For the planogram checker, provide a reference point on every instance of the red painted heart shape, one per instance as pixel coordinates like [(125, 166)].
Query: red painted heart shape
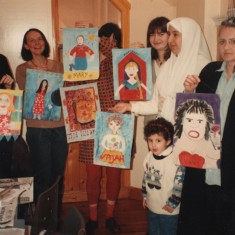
[(191, 160)]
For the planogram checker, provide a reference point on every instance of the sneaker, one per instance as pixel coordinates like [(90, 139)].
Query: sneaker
[(91, 226), (112, 226)]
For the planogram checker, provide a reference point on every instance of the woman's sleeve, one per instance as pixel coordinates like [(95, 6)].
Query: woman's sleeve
[(146, 107)]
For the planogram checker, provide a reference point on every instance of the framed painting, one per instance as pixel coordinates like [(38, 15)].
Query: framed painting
[(80, 54), (132, 74), (113, 139), (197, 130), (11, 102), (40, 96), (80, 104)]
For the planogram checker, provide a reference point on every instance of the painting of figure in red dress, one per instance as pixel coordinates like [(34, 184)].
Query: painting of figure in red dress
[(132, 74), (40, 90)]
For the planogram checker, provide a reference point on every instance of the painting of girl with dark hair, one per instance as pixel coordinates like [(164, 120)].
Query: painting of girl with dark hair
[(197, 136), (39, 90)]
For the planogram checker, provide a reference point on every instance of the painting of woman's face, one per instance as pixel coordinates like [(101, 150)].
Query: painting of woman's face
[(85, 110), (44, 84), (131, 71), (194, 125), (114, 126), (4, 102)]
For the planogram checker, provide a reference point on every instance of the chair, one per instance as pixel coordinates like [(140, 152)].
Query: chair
[(46, 211), (73, 224)]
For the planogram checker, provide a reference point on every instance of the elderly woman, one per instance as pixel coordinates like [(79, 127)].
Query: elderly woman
[(209, 206)]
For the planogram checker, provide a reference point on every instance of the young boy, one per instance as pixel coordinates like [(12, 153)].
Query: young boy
[(163, 179)]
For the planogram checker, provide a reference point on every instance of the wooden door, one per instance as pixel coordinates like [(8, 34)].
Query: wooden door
[(75, 173)]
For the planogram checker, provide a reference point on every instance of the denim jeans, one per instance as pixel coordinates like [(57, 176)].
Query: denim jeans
[(162, 224), (48, 149)]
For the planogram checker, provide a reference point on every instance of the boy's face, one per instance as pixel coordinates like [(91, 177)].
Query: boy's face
[(194, 125), (157, 144)]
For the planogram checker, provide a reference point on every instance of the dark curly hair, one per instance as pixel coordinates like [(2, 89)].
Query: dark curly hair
[(159, 126), (193, 106)]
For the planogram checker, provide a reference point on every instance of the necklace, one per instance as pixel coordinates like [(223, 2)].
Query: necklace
[(41, 66), (160, 62)]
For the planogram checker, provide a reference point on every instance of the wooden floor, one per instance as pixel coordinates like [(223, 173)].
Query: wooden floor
[(129, 214)]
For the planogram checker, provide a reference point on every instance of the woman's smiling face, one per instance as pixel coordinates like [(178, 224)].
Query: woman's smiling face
[(174, 40), (35, 43)]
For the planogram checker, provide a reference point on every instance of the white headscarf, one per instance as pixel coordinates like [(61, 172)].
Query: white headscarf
[(193, 56)]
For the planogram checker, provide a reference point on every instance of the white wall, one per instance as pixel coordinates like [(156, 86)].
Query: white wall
[(16, 17), (143, 11), (206, 14)]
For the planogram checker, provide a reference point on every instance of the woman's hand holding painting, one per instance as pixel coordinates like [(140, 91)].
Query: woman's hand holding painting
[(121, 108), (7, 80), (191, 82)]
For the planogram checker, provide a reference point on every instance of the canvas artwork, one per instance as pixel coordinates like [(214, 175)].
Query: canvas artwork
[(80, 104), (80, 54), (41, 95), (113, 139), (197, 130), (132, 74), (11, 102)]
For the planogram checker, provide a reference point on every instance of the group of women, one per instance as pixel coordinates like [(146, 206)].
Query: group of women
[(207, 205)]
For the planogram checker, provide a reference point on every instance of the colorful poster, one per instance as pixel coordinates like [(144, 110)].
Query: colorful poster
[(80, 104), (132, 74), (113, 139), (80, 54), (10, 113), (41, 95), (197, 130)]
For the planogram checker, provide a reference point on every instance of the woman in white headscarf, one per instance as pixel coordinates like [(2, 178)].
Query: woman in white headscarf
[(189, 54)]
